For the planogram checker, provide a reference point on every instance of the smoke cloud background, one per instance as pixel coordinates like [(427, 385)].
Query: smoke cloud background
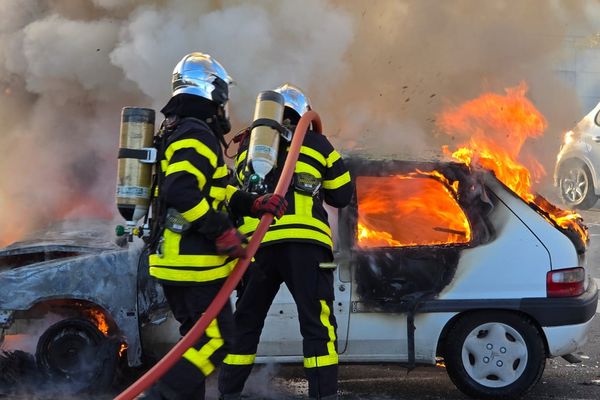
[(377, 72)]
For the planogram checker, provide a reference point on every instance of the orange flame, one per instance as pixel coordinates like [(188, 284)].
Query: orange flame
[(99, 319), (497, 126), (425, 201), (122, 349)]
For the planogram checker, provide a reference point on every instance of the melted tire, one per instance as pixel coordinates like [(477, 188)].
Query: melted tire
[(75, 356)]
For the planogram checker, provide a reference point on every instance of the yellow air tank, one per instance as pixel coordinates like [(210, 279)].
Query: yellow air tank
[(264, 139), (136, 159)]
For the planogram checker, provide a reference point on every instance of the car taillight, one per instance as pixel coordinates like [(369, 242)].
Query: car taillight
[(565, 282)]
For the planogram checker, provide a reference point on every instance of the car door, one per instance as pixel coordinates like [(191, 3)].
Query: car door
[(281, 333)]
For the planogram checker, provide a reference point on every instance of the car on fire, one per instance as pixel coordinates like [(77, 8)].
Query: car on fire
[(577, 168), (434, 260)]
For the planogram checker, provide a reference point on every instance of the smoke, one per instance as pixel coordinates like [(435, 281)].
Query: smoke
[(377, 72)]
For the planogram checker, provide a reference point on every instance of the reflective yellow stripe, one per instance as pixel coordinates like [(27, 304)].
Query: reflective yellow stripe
[(190, 275), (297, 233), (164, 164), (196, 212), (201, 358), (332, 157), (240, 158), (302, 204), (171, 245), (332, 357), (320, 361), (313, 154), (307, 168), (325, 313), (220, 172), (217, 192), (337, 182), (195, 144), (186, 166), (188, 260), (239, 359), (230, 191), (250, 224)]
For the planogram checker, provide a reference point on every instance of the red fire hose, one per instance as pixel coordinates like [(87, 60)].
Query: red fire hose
[(222, 296)]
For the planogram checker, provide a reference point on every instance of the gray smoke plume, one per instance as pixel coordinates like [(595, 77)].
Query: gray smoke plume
[(378, 72)]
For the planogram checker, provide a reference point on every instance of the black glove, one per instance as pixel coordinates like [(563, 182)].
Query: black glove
[(269, 203), (230, 243)]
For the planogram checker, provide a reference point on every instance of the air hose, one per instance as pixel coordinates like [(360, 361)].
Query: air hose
[(222, 297)]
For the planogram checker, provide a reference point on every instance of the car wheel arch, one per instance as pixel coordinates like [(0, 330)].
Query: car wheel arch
[(73, 308), (465, 314)]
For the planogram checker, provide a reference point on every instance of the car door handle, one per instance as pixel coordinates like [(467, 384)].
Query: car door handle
[(596, 139)]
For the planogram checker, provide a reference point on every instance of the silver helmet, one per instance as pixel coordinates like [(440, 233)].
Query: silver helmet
[(201, 75), (294, 98)]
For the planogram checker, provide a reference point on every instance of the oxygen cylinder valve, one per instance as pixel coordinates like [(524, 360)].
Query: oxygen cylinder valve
[(256, 184)]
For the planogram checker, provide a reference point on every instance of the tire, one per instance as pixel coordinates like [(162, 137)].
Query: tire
[(576, 185), (494, 355), (75, 354)]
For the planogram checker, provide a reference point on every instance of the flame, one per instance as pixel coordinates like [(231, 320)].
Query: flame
[(424, 201), (497, 126), (99, 319), (122, 349)]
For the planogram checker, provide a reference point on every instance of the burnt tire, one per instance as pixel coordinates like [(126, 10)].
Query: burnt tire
[(576, 185), (75, 355), (494, 355)]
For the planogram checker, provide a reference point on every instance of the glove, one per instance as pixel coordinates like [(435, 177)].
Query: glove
[(230, 243), (269, 203)]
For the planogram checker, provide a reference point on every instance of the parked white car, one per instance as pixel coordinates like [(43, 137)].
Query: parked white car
[(577, 168), (432, 261)]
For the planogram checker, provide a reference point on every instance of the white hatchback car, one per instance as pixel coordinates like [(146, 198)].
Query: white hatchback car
[(451, 265), (432, 261)]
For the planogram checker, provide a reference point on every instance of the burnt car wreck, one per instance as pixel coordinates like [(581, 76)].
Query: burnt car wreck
[(427, 252)]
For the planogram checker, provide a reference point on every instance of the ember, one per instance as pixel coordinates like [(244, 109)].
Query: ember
[(122, 349), (426, 202), (497, 126)]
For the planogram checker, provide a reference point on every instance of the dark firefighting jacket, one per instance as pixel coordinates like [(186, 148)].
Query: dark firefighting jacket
[(305, 219), (193, 181)]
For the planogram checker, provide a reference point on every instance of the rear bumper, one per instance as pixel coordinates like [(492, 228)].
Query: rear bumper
[(563, 311), (566, 339), (548, 312)]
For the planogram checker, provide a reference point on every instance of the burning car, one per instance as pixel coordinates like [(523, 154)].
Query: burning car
[(433, 260), (578, 162)]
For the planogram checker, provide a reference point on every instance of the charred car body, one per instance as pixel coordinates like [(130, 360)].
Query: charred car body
[(432, 260)]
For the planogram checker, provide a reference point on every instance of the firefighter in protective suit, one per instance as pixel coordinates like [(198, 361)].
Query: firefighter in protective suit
[(291, 252), (195, 244)]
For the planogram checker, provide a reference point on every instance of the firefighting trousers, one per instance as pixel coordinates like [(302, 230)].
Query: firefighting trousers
[(296, 264), (186, 379)]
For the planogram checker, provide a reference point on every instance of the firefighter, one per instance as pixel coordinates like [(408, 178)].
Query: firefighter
[(291, 252), (194, 244)]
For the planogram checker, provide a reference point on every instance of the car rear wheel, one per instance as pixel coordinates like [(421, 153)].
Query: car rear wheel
[(494, 355), (75, 353), (576, 185)]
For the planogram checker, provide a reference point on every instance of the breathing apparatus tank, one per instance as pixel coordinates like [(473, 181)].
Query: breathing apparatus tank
[(264, 137), (136, 158)]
